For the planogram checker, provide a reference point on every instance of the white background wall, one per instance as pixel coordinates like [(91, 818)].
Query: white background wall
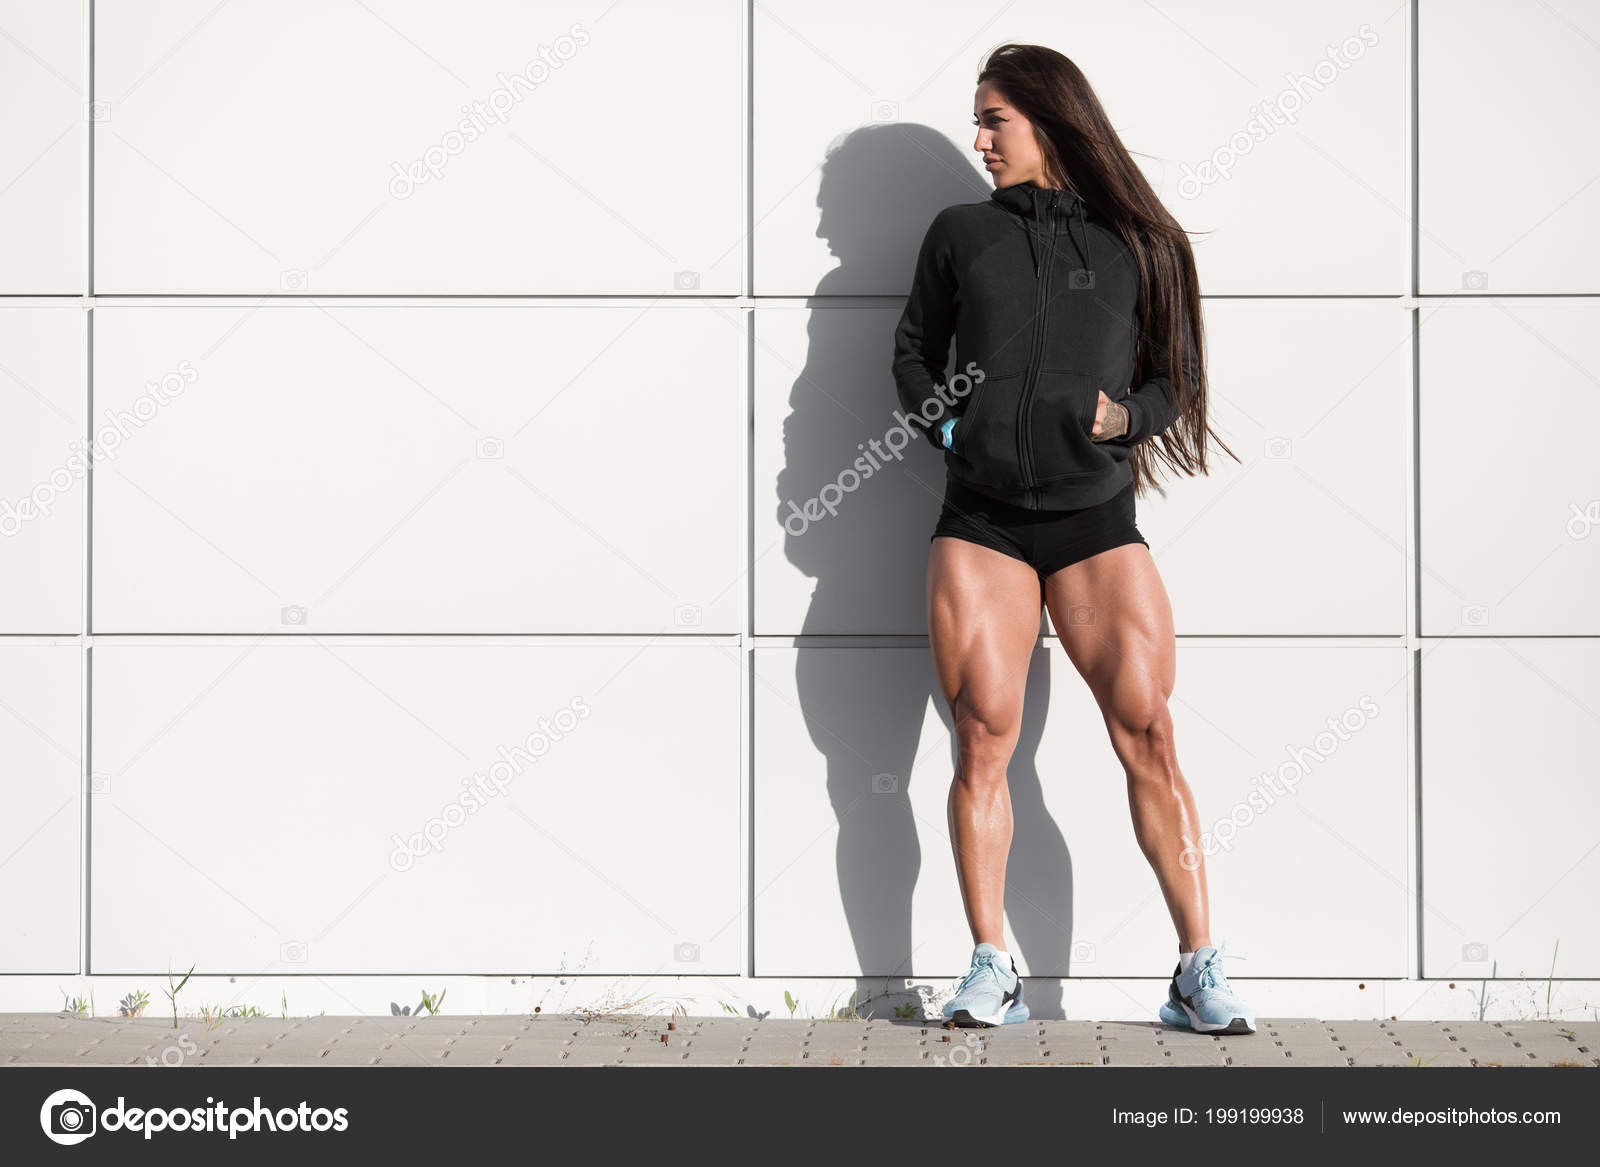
[(437, 459)]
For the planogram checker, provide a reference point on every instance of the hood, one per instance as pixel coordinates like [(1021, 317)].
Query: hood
[(1036, 208)]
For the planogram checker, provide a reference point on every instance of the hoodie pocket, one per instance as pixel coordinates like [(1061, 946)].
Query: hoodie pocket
[(986, 436), (1062, 423)]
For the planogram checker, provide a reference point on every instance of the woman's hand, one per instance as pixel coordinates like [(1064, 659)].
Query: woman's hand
[(1110, 419)]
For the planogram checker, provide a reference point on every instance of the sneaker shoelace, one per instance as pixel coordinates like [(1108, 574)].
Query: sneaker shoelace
[(981, 967), (1211, 975)]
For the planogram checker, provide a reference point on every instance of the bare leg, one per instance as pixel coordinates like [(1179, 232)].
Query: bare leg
[(1120, 638), (983, 625)]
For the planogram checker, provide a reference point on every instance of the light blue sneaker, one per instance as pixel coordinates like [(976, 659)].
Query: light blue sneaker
[(1202, 1000), (990, 994)]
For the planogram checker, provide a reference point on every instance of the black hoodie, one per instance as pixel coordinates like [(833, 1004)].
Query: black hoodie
[(1042, 301)]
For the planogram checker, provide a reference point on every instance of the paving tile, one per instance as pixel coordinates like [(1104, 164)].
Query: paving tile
[(496, 1026), (473, 1050), (1256, 1057), (568, 1039), (524, 1053), (333, 1056)]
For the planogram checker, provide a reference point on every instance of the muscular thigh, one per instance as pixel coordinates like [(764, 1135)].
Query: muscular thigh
[(983, 623), (1113, 617)]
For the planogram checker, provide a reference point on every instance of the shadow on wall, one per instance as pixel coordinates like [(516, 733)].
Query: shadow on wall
[(864, 710)]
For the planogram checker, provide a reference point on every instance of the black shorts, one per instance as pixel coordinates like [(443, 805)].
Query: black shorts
[(1045, 540)]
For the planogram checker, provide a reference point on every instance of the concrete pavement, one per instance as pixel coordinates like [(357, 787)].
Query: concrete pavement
[(572, 1040)]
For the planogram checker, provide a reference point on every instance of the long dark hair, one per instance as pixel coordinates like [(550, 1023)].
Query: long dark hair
[(1082, 153)]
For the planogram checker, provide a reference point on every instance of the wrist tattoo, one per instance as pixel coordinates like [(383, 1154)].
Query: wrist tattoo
[(1115, 423)]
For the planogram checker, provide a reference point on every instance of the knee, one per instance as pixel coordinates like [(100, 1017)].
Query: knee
[(986, 735), (1141, 734)]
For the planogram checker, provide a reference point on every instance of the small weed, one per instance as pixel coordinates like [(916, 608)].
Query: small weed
[(619, 1007), (133, 1004), (431, 1003), (562, 976), (215, 1016), (907, 1011), (849, 1012), (173, 990), (1549, 984), (428, 1002), (1416, 1059), (791, 1002)]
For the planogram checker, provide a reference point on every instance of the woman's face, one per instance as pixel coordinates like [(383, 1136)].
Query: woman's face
[(1005, 139)]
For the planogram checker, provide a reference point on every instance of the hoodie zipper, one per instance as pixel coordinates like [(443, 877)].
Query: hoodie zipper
[(1035, 357)]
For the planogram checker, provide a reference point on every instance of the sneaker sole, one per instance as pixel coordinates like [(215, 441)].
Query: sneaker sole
[(962, 1019), (1192, 1021)]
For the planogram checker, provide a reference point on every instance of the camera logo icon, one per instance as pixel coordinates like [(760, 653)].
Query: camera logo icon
[(1474, 281), (293, 614), (686, 280), (1080, 279), (686, 951), (68, 1117), (886, 784), (1475, 953), (1583, 521), (971, 1048), (491, 448)]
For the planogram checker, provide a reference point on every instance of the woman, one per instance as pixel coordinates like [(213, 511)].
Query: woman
[(1069, 281)]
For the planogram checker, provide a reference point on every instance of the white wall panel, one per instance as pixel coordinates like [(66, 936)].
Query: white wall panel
[(257, 787), (44, 141), (441, 468), (1510, 494), (1283, 139), (43, 467), (1306, 533), (41, 707), (1510, 798), (1507, 195), (261, 147), (840, 546), (854, 876)]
